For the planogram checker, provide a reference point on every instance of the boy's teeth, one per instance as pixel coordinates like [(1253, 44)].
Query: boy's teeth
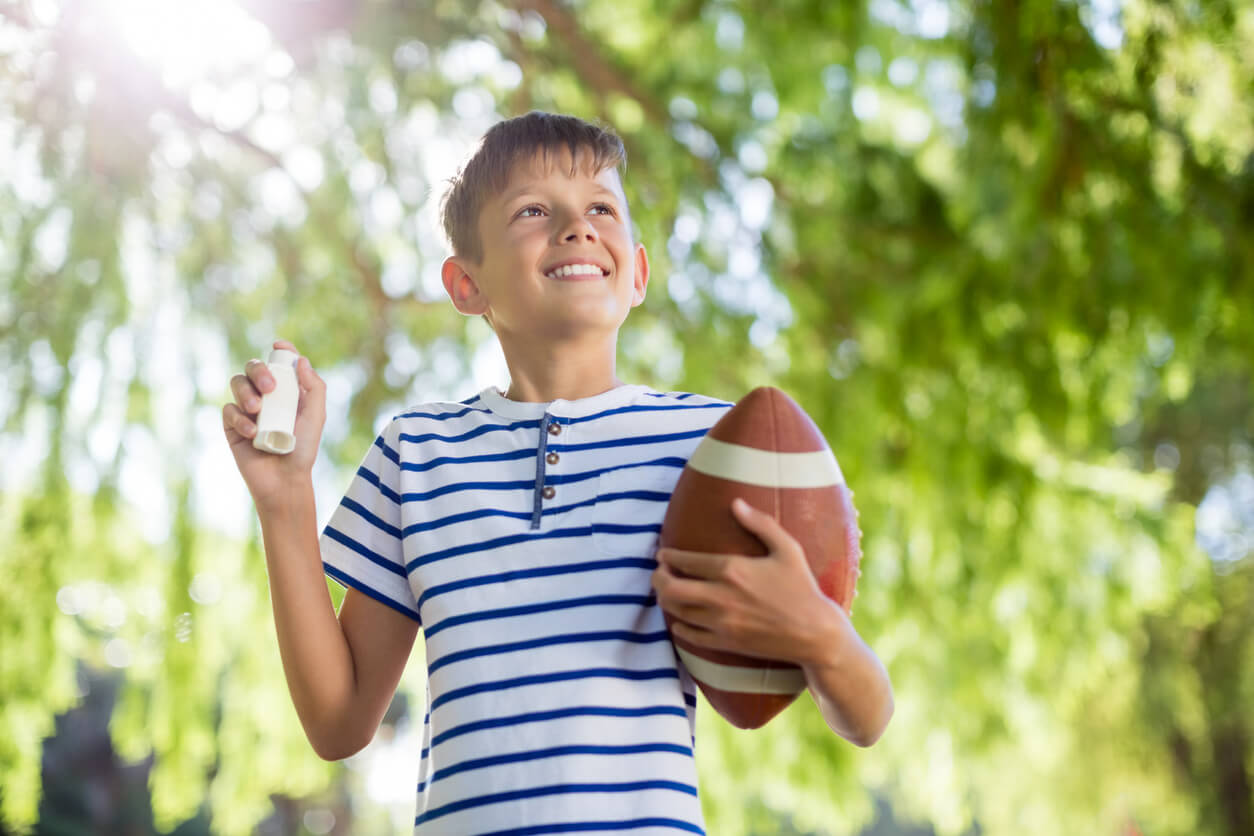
[(576, 270)]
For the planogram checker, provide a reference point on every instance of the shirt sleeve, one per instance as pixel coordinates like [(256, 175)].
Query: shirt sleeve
[(362, 544)]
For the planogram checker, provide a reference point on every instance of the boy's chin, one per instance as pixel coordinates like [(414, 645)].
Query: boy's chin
[(577, 324)]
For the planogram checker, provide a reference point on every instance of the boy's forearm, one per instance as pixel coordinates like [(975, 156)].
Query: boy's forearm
[(851, 686), (317, 659)]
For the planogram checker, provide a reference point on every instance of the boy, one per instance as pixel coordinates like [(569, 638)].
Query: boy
[(519, 530)]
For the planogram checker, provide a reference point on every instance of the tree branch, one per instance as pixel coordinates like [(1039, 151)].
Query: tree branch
[(588, 61)]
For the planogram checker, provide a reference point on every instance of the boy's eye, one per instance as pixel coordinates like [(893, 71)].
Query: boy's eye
[(602, 209), (530, 212)]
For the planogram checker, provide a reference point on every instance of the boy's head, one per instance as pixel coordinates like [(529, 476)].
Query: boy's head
[(552, 136), (541, 233)]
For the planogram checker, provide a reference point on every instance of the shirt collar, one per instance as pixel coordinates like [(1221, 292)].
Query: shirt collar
[(610, 399)]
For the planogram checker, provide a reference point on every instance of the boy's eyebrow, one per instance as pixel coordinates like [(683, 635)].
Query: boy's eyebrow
[(603, 190), (514, 194)]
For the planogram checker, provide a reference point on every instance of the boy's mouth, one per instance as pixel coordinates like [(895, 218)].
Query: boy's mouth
[(577, 271)]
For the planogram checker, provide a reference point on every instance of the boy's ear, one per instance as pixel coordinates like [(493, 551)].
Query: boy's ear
[(641, 280), (462, 287)]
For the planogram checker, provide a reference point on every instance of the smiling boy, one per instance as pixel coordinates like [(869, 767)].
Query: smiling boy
[(519, 530)]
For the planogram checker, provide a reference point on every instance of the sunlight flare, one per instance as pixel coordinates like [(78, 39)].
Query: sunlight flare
[(188, 42)]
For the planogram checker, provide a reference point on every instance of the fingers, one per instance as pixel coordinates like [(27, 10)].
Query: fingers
[(236, 424), (699, 635), (259, 375), (686, 598), (694, 564), (767, 529), (257, 380), (245, 392), (247, 389), (672, 588), (679, 606), (240, 416)]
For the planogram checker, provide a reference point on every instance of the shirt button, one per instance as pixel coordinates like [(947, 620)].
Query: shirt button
[(555, 429), (552, 458), (549, 491)]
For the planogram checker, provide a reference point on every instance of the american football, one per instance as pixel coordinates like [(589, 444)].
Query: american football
[(768, 451)]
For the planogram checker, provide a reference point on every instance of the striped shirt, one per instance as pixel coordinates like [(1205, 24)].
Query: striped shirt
[(521, 537)]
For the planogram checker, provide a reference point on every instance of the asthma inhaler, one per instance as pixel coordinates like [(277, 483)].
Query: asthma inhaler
[(276, 423)]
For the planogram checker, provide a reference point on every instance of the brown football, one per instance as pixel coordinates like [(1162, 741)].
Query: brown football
[(767, 450)]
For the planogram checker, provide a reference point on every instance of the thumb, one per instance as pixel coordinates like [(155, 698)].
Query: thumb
[(313, 391)]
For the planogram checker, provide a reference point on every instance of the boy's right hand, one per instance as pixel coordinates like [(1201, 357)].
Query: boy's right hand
[(270, 477)]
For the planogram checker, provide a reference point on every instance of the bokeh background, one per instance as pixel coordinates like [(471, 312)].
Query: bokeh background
[(1002, 251)]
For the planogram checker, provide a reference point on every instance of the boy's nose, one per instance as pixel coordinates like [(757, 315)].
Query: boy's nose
[(578, 229)]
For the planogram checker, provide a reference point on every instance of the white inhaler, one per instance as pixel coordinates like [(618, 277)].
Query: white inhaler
[(276, 423)]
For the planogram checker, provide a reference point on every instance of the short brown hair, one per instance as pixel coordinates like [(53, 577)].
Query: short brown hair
[(489, 168)]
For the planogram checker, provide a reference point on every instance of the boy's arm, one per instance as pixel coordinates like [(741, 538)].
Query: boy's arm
[(341, 672), (849, 682), (771, 607)]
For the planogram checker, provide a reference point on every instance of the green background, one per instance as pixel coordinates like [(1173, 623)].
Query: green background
[(1001, 251)]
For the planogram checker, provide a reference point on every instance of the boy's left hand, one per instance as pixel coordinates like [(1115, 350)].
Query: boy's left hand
[(768, 606)]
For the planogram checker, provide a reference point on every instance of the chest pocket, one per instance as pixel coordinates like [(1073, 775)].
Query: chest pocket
[(631, 502)]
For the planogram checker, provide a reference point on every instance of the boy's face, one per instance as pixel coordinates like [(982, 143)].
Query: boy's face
[(558, 256)]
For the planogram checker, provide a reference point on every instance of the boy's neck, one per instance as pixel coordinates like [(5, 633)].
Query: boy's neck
[(559, 370)]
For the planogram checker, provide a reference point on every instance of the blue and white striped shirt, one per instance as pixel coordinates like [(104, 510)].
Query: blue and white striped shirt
[(521, 537)]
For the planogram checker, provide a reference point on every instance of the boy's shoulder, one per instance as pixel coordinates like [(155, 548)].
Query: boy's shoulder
[(439, 410), (436, 417), (692, 399)]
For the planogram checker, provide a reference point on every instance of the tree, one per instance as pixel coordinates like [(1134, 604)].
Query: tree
[(998, 250)]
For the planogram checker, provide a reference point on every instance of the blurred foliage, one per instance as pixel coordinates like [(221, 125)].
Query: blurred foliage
[(1000, 250)]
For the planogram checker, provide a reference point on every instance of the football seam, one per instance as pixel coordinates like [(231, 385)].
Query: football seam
[(775, 447)]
